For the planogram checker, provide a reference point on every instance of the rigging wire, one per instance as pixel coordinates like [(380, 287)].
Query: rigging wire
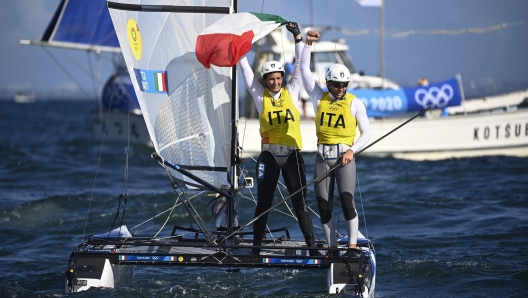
[(97, 168), (176, 204), (333, 169), (282, 196), (94, 78), (362, 210), (282, 38), (191, 210), (125, 172), (332, 25), (125, 181), (67, 72), (407, 33)]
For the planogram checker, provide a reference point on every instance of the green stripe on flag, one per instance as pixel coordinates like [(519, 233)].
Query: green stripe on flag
[(156, 84), (270, 17)]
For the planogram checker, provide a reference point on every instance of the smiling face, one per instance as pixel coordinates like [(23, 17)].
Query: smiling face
[(337, 89), (273, 81)]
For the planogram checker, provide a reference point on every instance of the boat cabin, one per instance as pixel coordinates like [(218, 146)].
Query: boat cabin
[(279, 46)]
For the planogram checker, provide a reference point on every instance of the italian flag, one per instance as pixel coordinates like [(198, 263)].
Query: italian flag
[(160, 81), (228, 39), (153, 81)]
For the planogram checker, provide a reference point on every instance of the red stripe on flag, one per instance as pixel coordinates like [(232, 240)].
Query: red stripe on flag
[(222, 49), (164, 81)]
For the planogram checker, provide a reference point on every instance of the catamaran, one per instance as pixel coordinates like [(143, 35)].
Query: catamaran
[(190, 108)]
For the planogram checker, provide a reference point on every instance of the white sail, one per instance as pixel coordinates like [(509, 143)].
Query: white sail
[(187, 107)]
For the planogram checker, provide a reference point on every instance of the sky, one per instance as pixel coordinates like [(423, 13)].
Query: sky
[(484, 60)]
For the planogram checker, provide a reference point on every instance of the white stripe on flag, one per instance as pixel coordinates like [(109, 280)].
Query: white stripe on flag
[(161, 86)]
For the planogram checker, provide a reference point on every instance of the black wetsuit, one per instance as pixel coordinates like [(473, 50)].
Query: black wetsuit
[(294, 176)]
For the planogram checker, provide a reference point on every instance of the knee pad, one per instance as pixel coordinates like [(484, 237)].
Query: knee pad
[(325, 211), (347, 203)]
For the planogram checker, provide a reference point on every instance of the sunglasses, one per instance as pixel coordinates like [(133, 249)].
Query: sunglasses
[(339, 84)]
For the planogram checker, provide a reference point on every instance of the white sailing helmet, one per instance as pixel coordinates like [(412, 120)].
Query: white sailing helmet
[(271, 66), (337, 73)]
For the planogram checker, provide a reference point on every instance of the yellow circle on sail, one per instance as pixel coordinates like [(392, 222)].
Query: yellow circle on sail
[(134, 39)]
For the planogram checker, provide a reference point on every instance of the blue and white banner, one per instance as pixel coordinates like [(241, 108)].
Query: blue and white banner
[(149, 258), (383, 103), (291, 261), (152, 81)]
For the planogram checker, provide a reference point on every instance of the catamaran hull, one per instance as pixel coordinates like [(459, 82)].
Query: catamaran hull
[(98, 273), (340, 283), (107, 263), (354, 278), (91, 272)]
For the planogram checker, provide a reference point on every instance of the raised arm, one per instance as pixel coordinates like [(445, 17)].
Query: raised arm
[(252, 85), (294, 84), (312, 88)]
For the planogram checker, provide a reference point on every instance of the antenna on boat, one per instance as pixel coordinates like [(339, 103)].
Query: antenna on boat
[(329, 171)]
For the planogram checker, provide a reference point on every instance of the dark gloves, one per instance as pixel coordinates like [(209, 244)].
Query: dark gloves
[(293, 28)]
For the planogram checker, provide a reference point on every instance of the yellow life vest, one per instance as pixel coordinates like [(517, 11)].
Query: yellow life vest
[(280, 120), (334, 122)]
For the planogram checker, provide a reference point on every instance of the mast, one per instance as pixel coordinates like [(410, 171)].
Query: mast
[(382, 43), (234, 144)]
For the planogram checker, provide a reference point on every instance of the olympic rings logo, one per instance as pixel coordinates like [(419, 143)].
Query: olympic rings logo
[(434, 96), (334, 106)]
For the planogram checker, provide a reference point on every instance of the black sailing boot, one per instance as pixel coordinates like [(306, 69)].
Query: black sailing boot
[(311, 243)]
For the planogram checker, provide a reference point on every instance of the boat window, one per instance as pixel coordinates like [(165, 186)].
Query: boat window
[(322, 60), (325, 59), (346, 61), (262, 58)]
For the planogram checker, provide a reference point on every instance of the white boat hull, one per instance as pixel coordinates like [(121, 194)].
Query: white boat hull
[(99, 273), (344, 288), (483, 134), (24, 98), (92, 274), (340, 280), (121, 127)]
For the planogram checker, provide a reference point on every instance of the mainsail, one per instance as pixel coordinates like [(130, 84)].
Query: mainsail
[(80, 24), (87, 26), (187, 107)]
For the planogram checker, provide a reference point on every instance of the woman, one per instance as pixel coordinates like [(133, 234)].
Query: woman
[(281, 141), (337, 115)]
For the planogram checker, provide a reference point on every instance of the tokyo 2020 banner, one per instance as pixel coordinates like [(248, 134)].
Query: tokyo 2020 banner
[(388, 102)]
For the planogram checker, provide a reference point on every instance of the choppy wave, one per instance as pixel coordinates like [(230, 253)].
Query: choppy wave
[(455, 227)]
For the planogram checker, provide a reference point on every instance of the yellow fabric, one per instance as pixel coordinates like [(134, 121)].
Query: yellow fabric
[(280, 120), (334, 122)]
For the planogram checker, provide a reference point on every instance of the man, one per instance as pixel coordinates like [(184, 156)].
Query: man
[(337, 114)]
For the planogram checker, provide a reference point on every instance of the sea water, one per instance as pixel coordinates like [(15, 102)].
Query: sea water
[(456, 227)]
